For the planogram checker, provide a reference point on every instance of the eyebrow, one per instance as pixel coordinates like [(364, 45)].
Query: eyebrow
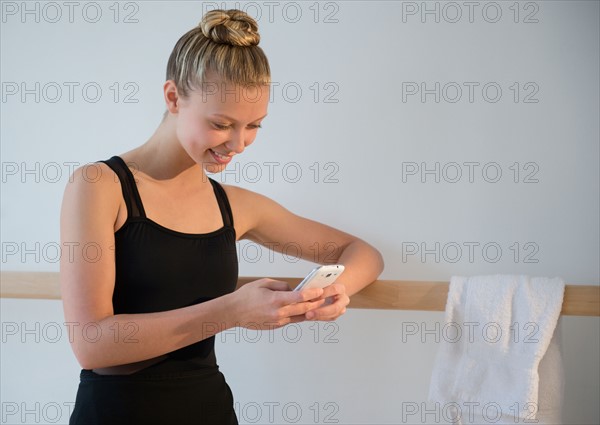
[(231, 119)]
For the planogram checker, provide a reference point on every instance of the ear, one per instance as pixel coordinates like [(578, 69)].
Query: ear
[(171, 96)]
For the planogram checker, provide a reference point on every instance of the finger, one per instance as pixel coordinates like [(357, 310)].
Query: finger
[(335, 289), (291, 315), (303, 295), (301, 308), (329, 310), (292, 319), (298, 318), (325, 318), (276, 285)]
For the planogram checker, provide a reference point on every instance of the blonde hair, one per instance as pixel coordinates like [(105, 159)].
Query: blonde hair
[(225, 45)]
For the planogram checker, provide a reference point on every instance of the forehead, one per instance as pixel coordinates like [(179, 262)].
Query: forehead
[(232, 99)]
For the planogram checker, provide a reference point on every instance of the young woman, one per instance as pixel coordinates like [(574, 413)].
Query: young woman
[(161, 281)]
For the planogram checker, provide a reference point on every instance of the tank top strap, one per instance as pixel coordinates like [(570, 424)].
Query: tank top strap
[(224, 206), (128, 186)]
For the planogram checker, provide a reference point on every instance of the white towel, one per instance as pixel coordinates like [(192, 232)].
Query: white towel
[(499, 361)]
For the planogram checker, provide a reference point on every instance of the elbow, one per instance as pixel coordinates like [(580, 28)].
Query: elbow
[(373, 262), (372, 258), (85, 365), (86, 356), (377, 261), (85, 360), (380, 263)]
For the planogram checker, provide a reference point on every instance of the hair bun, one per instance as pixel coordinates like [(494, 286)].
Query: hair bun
[(232, 26)]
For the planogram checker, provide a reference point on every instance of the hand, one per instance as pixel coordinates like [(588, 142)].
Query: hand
[(335, 304), (268, 304)]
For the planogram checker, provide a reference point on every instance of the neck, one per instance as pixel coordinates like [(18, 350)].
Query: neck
[(163, 158)]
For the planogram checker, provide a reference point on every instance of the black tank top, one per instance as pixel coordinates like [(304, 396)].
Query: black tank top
[(159, 269)]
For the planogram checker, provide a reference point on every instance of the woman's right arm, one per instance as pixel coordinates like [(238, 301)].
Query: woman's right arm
[(98, 337)]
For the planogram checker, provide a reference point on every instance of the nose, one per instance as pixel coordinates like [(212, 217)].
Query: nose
[(237, 142)]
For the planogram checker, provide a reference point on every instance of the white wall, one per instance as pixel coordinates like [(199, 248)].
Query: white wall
[(355, 64)]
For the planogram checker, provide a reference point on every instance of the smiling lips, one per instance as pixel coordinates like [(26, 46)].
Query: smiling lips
[(221, 159)]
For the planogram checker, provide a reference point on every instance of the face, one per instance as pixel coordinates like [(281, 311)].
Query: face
[(222, 119)]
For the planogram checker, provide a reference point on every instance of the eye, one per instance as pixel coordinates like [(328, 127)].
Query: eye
[(220, 126), (227, 127)]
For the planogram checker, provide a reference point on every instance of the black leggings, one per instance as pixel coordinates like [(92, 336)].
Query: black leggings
[(194, 397)]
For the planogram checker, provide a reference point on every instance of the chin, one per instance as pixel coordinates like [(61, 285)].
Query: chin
[(214, 168)]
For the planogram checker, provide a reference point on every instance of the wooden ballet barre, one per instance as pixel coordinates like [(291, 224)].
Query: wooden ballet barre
[(579, 300)]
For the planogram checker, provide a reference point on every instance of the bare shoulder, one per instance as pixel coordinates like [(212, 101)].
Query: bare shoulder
[(92, 195), (248, 207), (94, 183)]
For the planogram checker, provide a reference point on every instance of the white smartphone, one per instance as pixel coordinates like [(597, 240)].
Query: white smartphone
[(321, 276)]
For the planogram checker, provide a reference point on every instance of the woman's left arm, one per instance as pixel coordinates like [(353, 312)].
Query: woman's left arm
[(268, 223)]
